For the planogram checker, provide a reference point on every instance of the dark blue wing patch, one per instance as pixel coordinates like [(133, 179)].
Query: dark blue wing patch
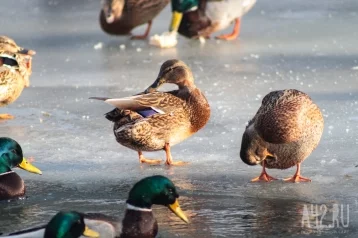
[(147, 112), (9, 61)]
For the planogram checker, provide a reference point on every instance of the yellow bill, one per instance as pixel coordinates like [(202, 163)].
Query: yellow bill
[(176, 19), (25, 165), (175, 208), (90, 233)]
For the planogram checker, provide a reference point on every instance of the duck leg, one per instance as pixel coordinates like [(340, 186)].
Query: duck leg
[(142, 159), (169, 159), (235, 33), (263, 176), (6, 117), (146, 33), (297, 176)]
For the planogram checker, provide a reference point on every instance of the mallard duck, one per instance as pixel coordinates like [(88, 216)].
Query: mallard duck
[(200, 18), (62, 225), (15, 70), (119, 17), (11, 185), (213, 16), (158, 120), (139, 221), (286, 129)]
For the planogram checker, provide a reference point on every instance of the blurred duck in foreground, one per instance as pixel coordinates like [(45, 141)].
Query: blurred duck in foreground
[(120, 17), (220, 14), (139, 221), (62, 225), (201, 18), (286, 129), (15, 71), (155, 120), (11, 184)]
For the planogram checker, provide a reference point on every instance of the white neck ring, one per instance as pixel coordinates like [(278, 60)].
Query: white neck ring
[(131, 207)]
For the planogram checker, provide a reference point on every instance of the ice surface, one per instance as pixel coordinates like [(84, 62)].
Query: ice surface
[(302, 44)]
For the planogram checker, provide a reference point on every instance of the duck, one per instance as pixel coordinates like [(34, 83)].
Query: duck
[(154, 120), (201, 18), (15, 71), (65, 224), (214, 15), (285, 130), (11, 184), (138, 220), (120, 17)]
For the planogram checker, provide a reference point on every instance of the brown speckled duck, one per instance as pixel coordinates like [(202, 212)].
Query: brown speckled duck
[(286, 129), (158, 120), (15, 70), (120, 17)]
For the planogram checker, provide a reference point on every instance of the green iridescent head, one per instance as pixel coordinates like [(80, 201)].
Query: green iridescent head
[(157, 190), (11, 156), (184, 5), (68, 225)]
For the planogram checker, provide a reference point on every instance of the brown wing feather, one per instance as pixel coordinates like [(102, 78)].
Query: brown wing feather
[(282, 116), (165, 102)]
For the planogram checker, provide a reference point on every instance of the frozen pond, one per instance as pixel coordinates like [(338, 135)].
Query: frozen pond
[(302, 44)]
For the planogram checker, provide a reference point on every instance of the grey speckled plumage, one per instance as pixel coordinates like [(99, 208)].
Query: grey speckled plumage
[(286, 129)]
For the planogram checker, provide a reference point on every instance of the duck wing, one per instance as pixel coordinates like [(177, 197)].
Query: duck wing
[(160, 102), (283, 115)]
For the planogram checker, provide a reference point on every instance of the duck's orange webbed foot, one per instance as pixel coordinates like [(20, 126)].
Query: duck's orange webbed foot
[(235, 33), (297, 178), (142, 159), (169, 159), (145, 35), (6, 117), (264, 177), (177, 163)]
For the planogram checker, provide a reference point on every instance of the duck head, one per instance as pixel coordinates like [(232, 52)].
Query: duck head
[(173, 71), (157, 190), (253, 148), (11, 156), (68, 225), (112, 9)]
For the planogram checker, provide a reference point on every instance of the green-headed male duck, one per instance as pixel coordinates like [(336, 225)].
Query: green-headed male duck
[(139, 221), (62, 225), (11, 184), (285, 130), (213, 16)]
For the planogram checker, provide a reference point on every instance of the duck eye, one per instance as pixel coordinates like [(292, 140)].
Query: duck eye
[(14, 151)]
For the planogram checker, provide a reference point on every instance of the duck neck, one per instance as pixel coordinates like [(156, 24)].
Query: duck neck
[(140, 209), (140, 223), (187, 86), (184, 5), (4, 169), (4, 164)]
